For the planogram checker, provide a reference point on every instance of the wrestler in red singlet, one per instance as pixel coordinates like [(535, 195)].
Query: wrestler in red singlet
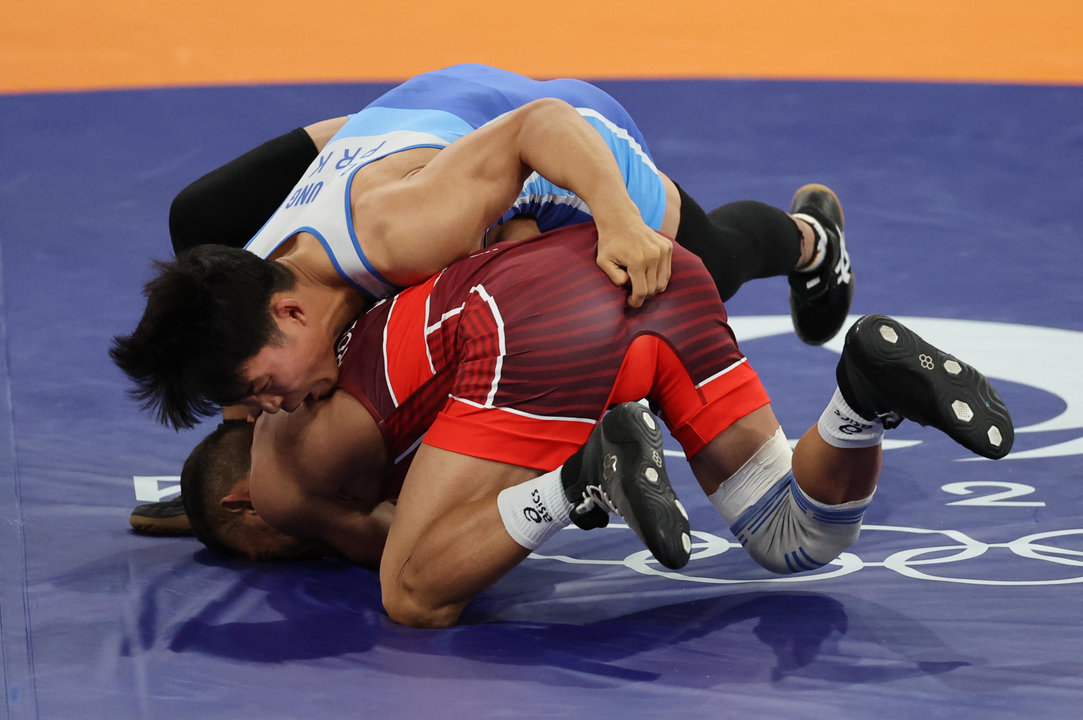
[(515, 352)]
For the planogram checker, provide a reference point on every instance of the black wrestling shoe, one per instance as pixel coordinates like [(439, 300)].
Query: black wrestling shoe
[(820, 299), (886, 371), (621, 469), (161, 518)]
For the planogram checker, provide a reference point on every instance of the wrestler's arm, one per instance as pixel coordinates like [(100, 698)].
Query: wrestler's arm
[(358, 534), (416, 226), (300, 459)]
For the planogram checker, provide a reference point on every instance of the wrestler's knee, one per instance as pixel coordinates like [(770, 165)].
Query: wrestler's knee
[(781, 527), (410, 605), (792, 541)]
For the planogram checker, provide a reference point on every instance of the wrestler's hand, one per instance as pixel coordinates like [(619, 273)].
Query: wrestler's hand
[(635, 256)]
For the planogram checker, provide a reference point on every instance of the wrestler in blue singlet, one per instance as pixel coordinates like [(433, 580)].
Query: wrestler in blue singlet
[(433, 110)]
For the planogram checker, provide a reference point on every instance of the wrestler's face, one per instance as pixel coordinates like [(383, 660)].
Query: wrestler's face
[(302, 367)]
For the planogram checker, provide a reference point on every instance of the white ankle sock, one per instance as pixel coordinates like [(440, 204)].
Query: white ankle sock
[(533, 511), (842, 427), (820, 251)]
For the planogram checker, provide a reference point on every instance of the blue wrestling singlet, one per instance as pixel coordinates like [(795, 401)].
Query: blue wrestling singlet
[(433, 110)]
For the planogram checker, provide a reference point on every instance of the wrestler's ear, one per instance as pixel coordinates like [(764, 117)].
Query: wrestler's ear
[(237, 503), (288, 307), (239, 498)]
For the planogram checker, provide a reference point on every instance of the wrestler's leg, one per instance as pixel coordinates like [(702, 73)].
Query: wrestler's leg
[(461, 523), (742, 241), (448, 541), (798, 511), (745, 240), (828, 474), (791, 512), (228, 205)]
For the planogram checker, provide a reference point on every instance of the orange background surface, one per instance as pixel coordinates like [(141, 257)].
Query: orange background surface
[(77, 44)]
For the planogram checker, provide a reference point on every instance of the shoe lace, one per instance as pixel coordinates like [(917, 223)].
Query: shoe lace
[(842, 267), (890, 419), (596, 496)]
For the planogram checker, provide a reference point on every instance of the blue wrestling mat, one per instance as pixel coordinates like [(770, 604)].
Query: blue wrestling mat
[(962, 599)]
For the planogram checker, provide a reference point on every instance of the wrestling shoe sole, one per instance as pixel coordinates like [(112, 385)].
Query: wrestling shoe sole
[(161, 518), (798, 202), (964, 405), (634, 477)]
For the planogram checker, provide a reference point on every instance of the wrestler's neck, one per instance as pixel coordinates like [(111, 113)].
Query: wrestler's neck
[(332, 301), (305, 254)]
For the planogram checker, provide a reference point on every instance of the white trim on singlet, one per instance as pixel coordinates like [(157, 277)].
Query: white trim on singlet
[(719, 374), (522, 413), (499, 320), (620, 133)]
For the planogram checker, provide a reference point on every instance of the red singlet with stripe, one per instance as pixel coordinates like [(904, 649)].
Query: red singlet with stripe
[(514, 353)]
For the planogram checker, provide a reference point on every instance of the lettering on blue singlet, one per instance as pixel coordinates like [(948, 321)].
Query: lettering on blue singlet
[(304, 195)]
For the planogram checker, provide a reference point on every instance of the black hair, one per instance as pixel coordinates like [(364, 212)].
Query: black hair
[(211, 470), (207, 313)]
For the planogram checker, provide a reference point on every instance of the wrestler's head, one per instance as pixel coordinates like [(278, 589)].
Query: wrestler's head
[(214, 485), (300, 365), (223, 327)]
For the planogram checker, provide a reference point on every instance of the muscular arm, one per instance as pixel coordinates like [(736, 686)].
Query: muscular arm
[(357, 533), (415, 226)]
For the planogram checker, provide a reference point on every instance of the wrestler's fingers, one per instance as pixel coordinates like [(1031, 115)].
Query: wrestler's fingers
[(616, 273), (665, 264), (658, 265), (640, 287)]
